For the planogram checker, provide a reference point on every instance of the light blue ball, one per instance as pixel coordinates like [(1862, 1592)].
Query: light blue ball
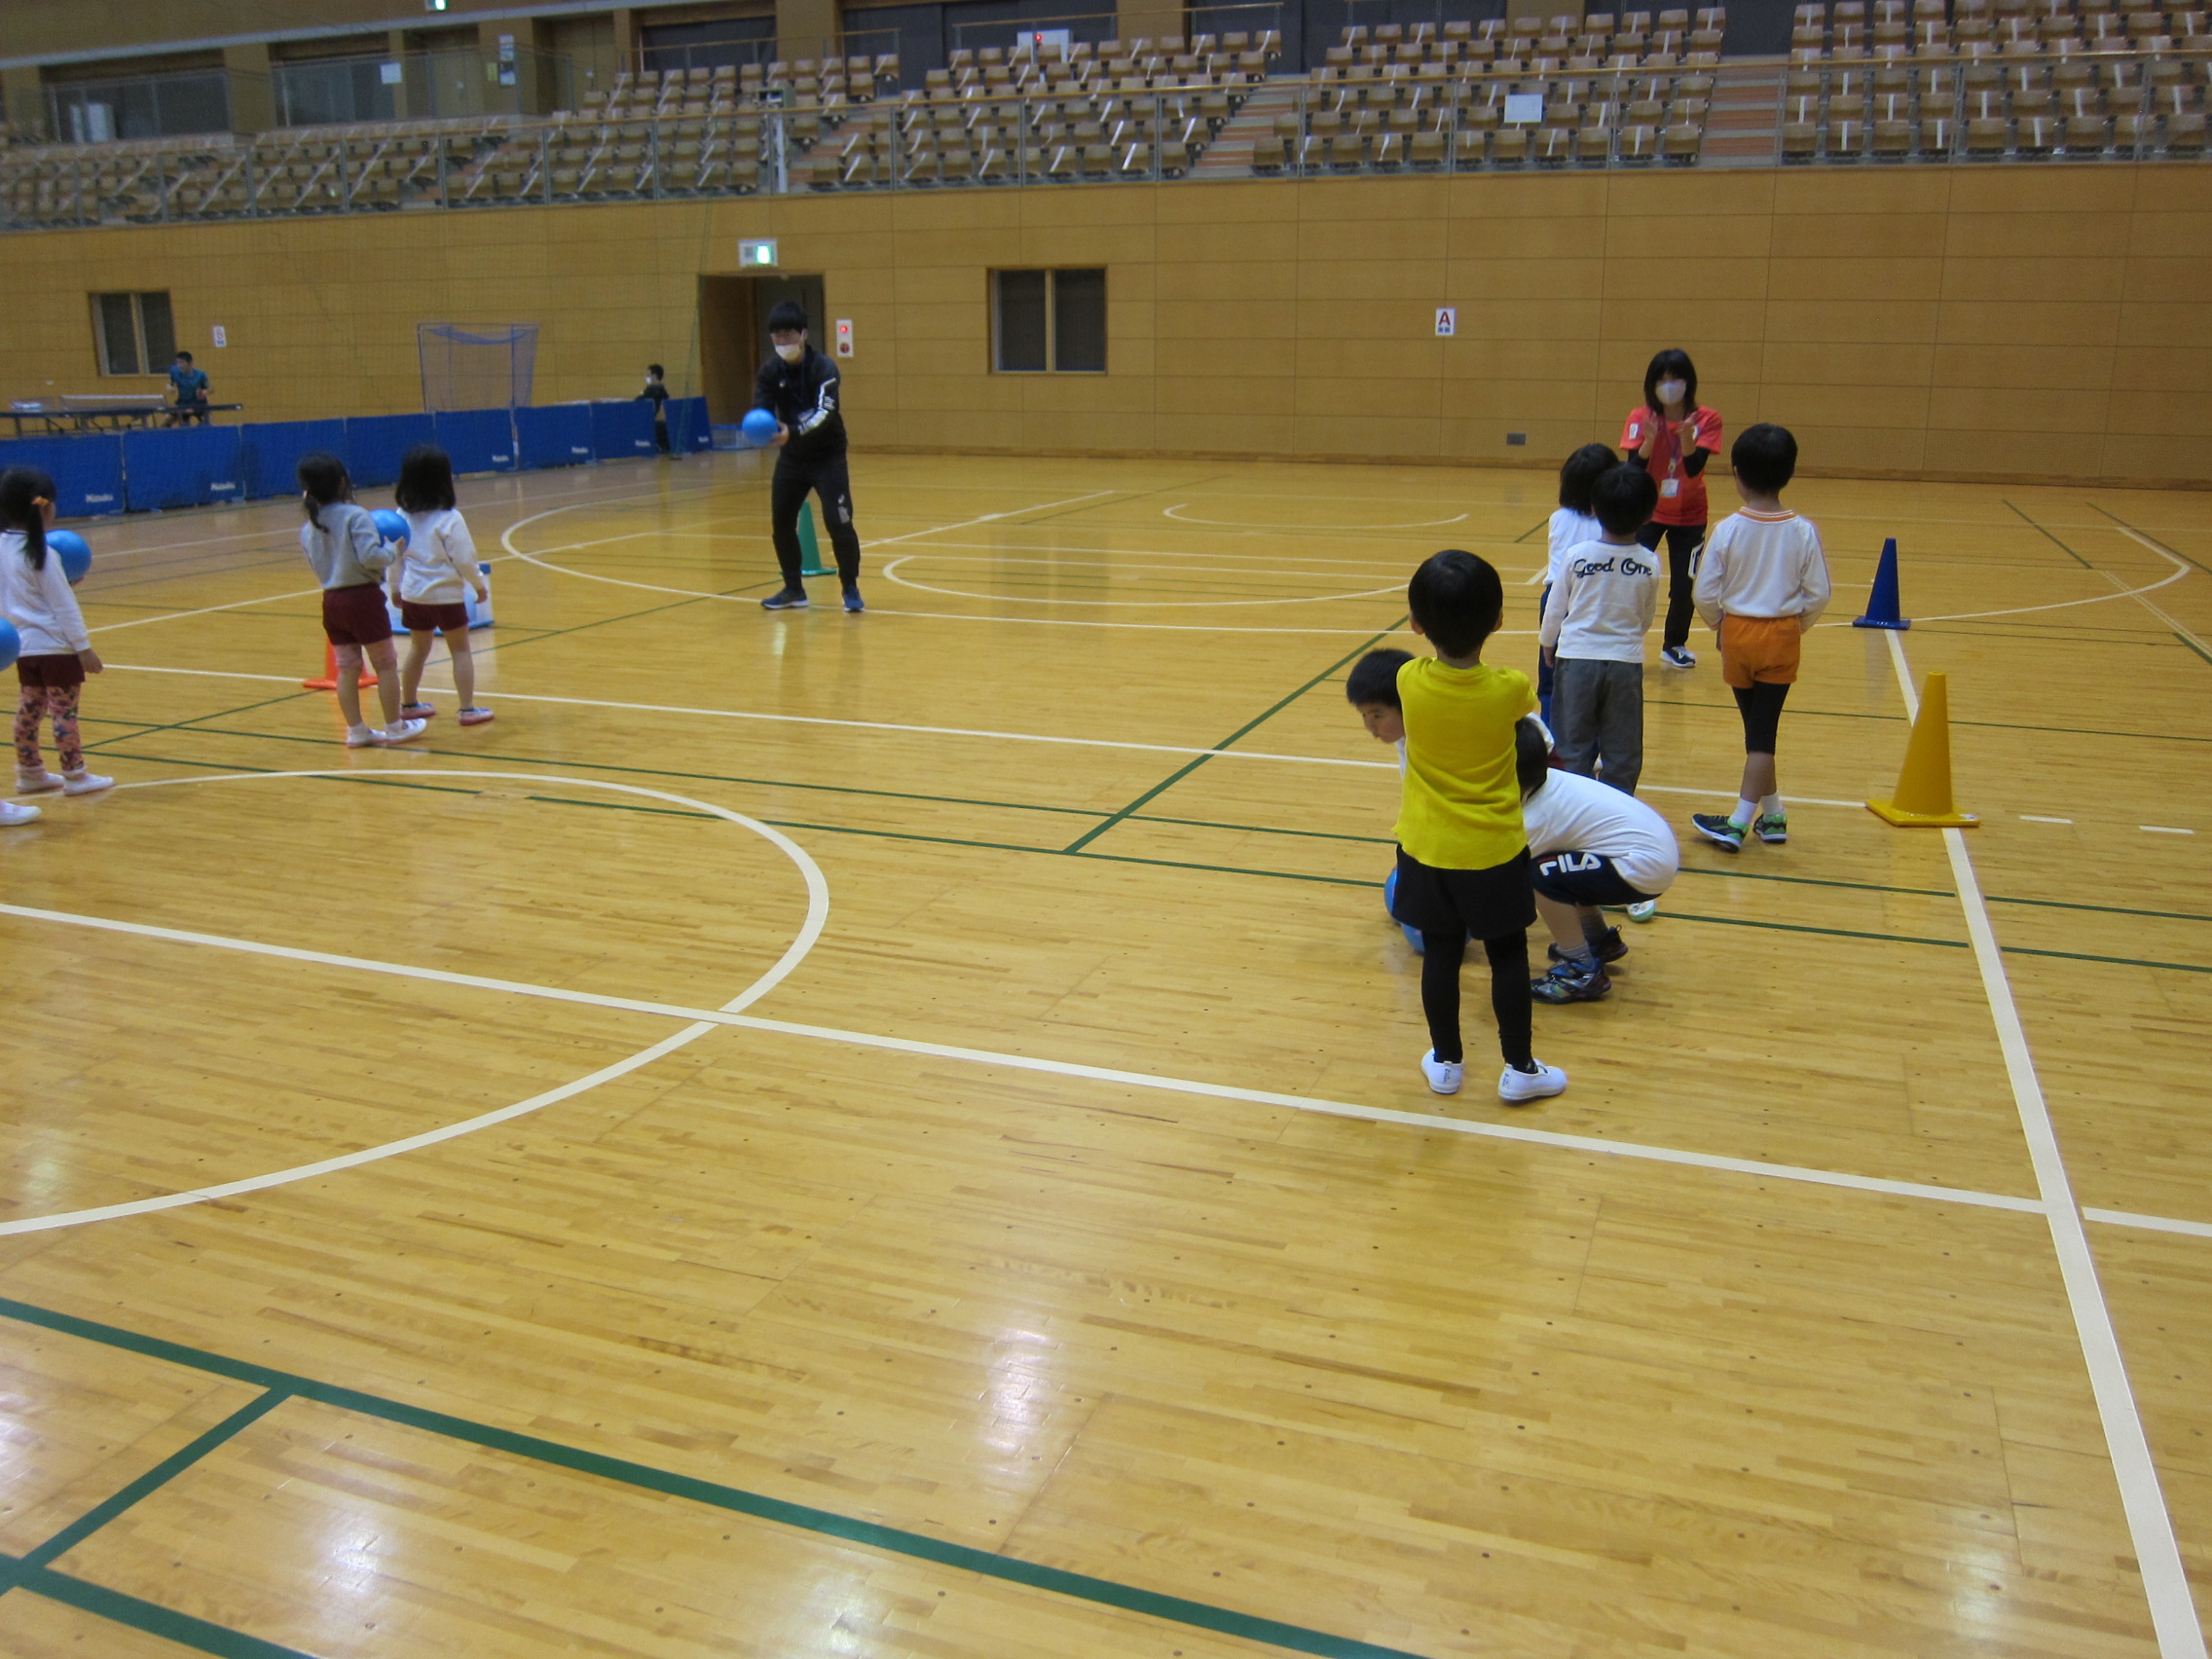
[(10, 643), (391, 526), (759, 427), (75, 554), (1390, 908)]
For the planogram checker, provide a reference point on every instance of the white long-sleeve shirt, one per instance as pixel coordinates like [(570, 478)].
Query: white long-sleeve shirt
[(1569, 529), (39, 603), (1601, 607), (1762, 564), (438, 564), (344, 547)]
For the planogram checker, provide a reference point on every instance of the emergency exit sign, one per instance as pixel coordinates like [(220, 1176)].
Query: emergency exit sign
[(755, 254)]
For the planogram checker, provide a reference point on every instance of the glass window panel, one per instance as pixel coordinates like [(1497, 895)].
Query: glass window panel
[(1078, 321), (1020, 322)]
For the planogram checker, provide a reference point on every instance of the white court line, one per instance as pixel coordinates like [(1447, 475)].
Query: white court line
[(702, 1020), (727, 1016), (2181, 570), (2151, 1222), (934, 731), (1176, 513), (890, 574), (2165, 1583), (2032, 818)]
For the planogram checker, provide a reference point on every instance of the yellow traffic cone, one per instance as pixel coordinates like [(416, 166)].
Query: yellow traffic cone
[(1924, 787)]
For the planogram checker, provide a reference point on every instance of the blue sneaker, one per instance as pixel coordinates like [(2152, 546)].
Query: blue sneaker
[(790, 599), (1720, 828), (853, 601)]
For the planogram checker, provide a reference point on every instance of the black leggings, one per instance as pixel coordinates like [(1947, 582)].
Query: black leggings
[(788, 493), (1761, 708), (1682, 543), (1509, 997)]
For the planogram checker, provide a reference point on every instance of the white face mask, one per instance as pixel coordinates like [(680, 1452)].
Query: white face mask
[(1671, 391), (790, 353)]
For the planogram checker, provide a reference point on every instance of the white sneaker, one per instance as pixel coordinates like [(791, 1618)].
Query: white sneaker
[(38, 783), (360, 737), (85, 783), (1443, 1076), (12, 815), (1645, 911), (1515, 1087), (400, 731)]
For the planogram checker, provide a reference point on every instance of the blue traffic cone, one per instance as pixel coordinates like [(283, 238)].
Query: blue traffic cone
[(1883, 610)]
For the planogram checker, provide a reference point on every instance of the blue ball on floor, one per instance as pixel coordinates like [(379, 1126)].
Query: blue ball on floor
[(1390, 907), (75, 554), (391, 526), (759, 427), (10, 643)]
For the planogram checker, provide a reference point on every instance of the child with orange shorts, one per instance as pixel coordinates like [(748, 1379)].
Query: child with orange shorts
[(1762, 582)]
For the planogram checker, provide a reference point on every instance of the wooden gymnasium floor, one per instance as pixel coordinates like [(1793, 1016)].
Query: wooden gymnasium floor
[(1059, 1255)]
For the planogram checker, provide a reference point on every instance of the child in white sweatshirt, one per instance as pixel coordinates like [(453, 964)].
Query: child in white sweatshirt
[(1762, 581), (55, 652), (1593, 634)]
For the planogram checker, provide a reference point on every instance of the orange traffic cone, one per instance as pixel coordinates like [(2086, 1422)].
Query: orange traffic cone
[(329, 679), (1924, 787)]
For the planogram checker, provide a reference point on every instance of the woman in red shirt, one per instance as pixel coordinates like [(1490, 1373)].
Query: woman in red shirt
[(1672, 436)]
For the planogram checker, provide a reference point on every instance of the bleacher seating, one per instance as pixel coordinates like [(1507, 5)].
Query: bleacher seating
[(1864, 81)]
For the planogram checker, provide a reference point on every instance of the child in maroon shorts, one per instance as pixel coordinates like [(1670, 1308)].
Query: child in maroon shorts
[(431, 580), (55, 654), (348, 556)]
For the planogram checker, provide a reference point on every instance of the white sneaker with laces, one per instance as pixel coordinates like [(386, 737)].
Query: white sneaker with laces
[(360, 737), (1443, 1076), (38, 783), (85, 783), (400, 731), (1644, 911), (12, 815), (1516, 1087)]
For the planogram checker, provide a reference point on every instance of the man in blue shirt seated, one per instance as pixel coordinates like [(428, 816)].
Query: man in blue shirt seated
[(191, 392)]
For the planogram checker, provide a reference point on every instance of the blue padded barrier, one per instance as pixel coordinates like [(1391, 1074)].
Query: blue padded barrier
[(273, 451), (556, 436), (183, 467), (87, 471), (622, 431), (479, 440), (375, 444), (689, 431)]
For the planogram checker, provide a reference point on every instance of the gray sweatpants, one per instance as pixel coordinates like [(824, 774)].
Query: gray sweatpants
[(1598, 716)]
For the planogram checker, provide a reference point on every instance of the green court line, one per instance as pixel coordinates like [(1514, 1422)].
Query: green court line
[(155, 1620), (1803, 928), (712, 1495), (2039, 529), (1097, 830), (608, 621), (2140, 531), (2195, 647), (154, 1478), (1531, 531), (179, 725)]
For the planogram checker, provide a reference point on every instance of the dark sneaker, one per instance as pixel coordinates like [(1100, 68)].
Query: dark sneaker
[(1677, 656), (853, 601), (791, 599), (1772, 828), (1609, 947), (1570, 982), (1720, 828)]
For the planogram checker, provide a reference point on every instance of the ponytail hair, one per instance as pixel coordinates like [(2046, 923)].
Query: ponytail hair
[(323, 483), (21, 491)]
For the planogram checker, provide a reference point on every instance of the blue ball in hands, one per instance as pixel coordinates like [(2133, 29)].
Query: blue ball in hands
[(76, 556), (759, 427), (391, 526)]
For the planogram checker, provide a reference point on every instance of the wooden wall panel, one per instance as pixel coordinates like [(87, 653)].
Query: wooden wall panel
[(2000, 322)]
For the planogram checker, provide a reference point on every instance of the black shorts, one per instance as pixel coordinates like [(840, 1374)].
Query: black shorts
[(1583, 878), (1483, 904)]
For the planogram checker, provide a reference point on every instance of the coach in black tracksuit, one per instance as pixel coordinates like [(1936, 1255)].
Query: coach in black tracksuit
[(798, 387)]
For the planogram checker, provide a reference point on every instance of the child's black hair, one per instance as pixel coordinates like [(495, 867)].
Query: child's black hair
[(656, 371), (1373, 678), (323, 482), (1623, 500), (184, 356), (1579, 471), (425, 481), (1676, 362), (21, 489), (1531, 755), (1457, 599), (1765, 458), (786, 313)]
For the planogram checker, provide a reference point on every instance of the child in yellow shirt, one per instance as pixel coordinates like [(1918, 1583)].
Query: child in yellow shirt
[(1462, 853)]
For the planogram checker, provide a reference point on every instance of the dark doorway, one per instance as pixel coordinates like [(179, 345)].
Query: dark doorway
[(733, 334)]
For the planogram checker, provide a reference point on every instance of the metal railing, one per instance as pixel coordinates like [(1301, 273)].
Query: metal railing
[(139, 106), (2137, 106)]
